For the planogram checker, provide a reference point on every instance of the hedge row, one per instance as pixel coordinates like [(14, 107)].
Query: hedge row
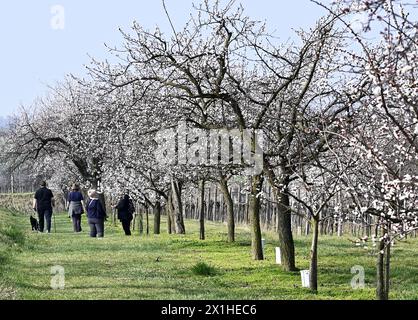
[(23, 202)]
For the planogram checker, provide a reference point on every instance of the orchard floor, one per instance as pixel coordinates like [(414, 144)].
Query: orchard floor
[(160, 266)]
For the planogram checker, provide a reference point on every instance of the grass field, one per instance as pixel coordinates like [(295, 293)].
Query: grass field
[(162, 267)]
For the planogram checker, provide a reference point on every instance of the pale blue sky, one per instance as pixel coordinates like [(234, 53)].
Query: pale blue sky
[(33, 54)]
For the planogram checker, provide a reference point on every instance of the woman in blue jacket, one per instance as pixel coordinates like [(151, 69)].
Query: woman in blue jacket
[(76, 207), (96, 215)]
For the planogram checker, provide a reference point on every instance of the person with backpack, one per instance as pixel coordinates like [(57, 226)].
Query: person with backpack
[(76, 207), (96, 215), (43, 204), (126, 210)]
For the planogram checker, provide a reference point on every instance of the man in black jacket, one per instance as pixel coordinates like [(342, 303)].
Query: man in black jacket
[(126, 210), (43, 203)]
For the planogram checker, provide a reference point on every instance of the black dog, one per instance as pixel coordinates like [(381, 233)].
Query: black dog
[(34, 223)]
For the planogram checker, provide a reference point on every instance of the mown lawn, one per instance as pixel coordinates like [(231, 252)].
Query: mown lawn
[(161, 266)]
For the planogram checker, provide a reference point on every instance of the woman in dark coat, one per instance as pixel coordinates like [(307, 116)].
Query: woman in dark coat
[(96, 215), (125, 213), (76, 207)]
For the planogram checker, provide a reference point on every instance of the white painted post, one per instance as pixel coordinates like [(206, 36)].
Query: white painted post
[(304, 274), (278, 256), (263, 245)]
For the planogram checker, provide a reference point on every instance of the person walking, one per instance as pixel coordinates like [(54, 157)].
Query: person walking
[(126, 210), (43, 204), (96, 215), (76, 207)]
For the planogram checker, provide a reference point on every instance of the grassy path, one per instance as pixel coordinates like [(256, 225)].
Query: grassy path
[(160, 267)]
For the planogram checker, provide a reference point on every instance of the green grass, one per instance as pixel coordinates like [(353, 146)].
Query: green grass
[(164, 266), (203, 269)]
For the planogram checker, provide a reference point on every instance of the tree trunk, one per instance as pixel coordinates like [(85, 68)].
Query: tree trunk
[(387, 270), (380, 290), (157, 217), (147, 218), (255, 201), (177, 205), (141, 222), (168, 223), (169, 209), (12, 184), (313, 268), (284, 219), (340, 227), (114, 216), (284, 229), (230, 209), (383, 267), (202, 209)]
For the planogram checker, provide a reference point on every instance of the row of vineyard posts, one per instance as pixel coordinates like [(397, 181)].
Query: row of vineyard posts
[(215, 210)]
